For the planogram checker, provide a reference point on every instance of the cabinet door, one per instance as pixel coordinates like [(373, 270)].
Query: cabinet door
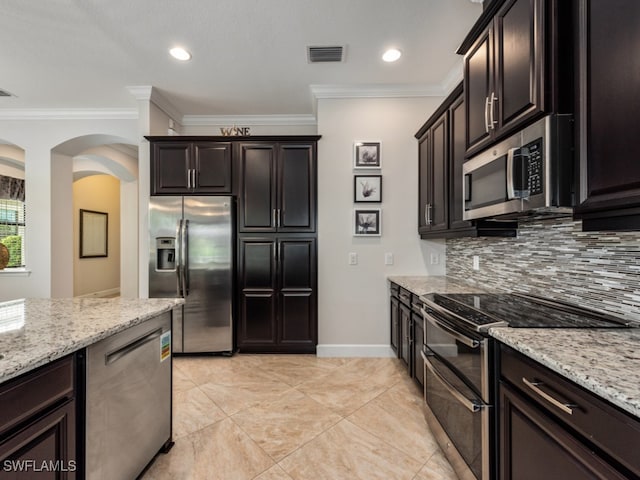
[(438, 212), (406, 343), (424, 189), (519, 60), (297, 294), (534, 446), (296, 188), (257, 276), (212, 165), (170, 165), (49, 439), (478, 72), (418, 337), (257, 199), (610, 55), (395, 324), (457, 148)]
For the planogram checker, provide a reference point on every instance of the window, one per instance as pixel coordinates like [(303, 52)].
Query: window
[(12, 226)]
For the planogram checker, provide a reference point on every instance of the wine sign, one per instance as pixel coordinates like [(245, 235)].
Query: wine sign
[(235, 131)]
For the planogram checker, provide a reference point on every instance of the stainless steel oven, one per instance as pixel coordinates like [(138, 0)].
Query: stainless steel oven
[(459, 365), (458, 386)]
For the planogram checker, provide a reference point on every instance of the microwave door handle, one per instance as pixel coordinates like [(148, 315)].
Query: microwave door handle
[(511, 193), (471, 405)]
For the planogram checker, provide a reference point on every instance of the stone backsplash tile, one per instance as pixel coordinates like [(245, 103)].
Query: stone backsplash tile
[(554, 258)]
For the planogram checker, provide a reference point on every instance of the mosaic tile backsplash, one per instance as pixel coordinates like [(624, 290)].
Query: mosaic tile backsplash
[(554, 258)]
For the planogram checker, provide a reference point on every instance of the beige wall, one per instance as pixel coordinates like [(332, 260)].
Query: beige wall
[(353, 300), (93, 275)]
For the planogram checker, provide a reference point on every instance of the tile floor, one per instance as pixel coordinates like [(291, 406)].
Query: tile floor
[(297, 417)]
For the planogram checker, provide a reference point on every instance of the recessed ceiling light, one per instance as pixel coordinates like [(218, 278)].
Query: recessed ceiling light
[(180, 53), (391, 55)]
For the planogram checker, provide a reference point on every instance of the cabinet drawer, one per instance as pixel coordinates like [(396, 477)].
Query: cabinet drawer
[(394, 289), (405, 296), (611, 430), (32, 392)]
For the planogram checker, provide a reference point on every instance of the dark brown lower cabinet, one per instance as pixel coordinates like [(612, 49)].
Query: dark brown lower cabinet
[(534, 446), (43, 449), (38, 424), (551, 428), (418, 334), (278, 299), (406, 345), (395, 323)]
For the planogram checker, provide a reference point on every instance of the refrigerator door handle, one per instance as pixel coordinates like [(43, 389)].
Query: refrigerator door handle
[(179, 258), (185, 258)]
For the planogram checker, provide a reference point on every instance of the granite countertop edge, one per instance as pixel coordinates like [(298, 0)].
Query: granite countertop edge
[(28, 348)]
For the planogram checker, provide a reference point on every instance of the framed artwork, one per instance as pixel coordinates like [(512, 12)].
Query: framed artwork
[(367, 222), (366, 155), (93, 234), (367, 188)]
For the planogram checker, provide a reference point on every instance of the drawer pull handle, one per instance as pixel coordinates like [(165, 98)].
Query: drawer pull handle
[(535, 387)]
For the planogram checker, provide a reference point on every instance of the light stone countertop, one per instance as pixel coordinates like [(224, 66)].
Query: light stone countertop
[(34, 332), (421, 285), (605, 362)]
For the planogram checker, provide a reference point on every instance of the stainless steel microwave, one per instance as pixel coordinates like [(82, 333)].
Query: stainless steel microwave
[(529, 175)]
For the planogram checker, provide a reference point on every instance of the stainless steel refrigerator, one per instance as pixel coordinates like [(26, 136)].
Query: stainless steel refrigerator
[(191, 256)]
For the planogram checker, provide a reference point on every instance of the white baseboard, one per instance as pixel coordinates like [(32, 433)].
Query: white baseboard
[(381, 351), (112, 292)]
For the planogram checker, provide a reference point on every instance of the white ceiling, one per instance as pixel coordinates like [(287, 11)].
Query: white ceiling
[(249, 56)]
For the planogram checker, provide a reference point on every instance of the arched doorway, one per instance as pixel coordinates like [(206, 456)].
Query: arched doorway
[(81, 165)]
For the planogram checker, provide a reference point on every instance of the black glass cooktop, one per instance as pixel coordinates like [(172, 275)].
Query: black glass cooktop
[(521, 311)]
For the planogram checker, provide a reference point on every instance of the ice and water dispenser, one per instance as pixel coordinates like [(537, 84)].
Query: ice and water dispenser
[(165, 254)]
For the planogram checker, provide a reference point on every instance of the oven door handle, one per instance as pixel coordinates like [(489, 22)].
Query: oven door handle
[(469, 342), (472, 405)]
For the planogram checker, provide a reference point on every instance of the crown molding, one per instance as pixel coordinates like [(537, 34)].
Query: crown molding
[(69, 114), (225, 120), (376, 91), (152, 94)]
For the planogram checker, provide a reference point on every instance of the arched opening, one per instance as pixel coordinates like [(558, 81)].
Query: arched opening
[(95, 173)]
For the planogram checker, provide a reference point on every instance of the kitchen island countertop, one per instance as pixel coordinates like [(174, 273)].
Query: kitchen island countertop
[(36, 331)]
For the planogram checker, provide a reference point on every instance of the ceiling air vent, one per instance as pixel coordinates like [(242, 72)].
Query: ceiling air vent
[(325, 54)]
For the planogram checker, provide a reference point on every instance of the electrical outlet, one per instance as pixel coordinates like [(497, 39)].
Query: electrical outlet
[(476, 262), (435, 259), (388, 258), (353, 258)]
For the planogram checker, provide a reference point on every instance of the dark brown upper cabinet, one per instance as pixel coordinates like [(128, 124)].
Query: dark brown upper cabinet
[(441, 153), (504, 72), (277, 187), (609, 87), (433, 175), (190, 168)]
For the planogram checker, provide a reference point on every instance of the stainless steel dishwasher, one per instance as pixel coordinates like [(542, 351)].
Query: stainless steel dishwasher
[(128, 400)]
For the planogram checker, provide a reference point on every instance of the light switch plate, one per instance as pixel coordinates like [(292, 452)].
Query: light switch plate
[(353, 258), (388, 258)]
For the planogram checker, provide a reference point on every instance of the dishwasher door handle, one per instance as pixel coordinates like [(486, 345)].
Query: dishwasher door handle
[(130, 347)]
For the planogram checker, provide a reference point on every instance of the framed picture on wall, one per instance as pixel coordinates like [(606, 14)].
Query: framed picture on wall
[(367, 222), (366, 155), (367, 188), (93, 234)]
